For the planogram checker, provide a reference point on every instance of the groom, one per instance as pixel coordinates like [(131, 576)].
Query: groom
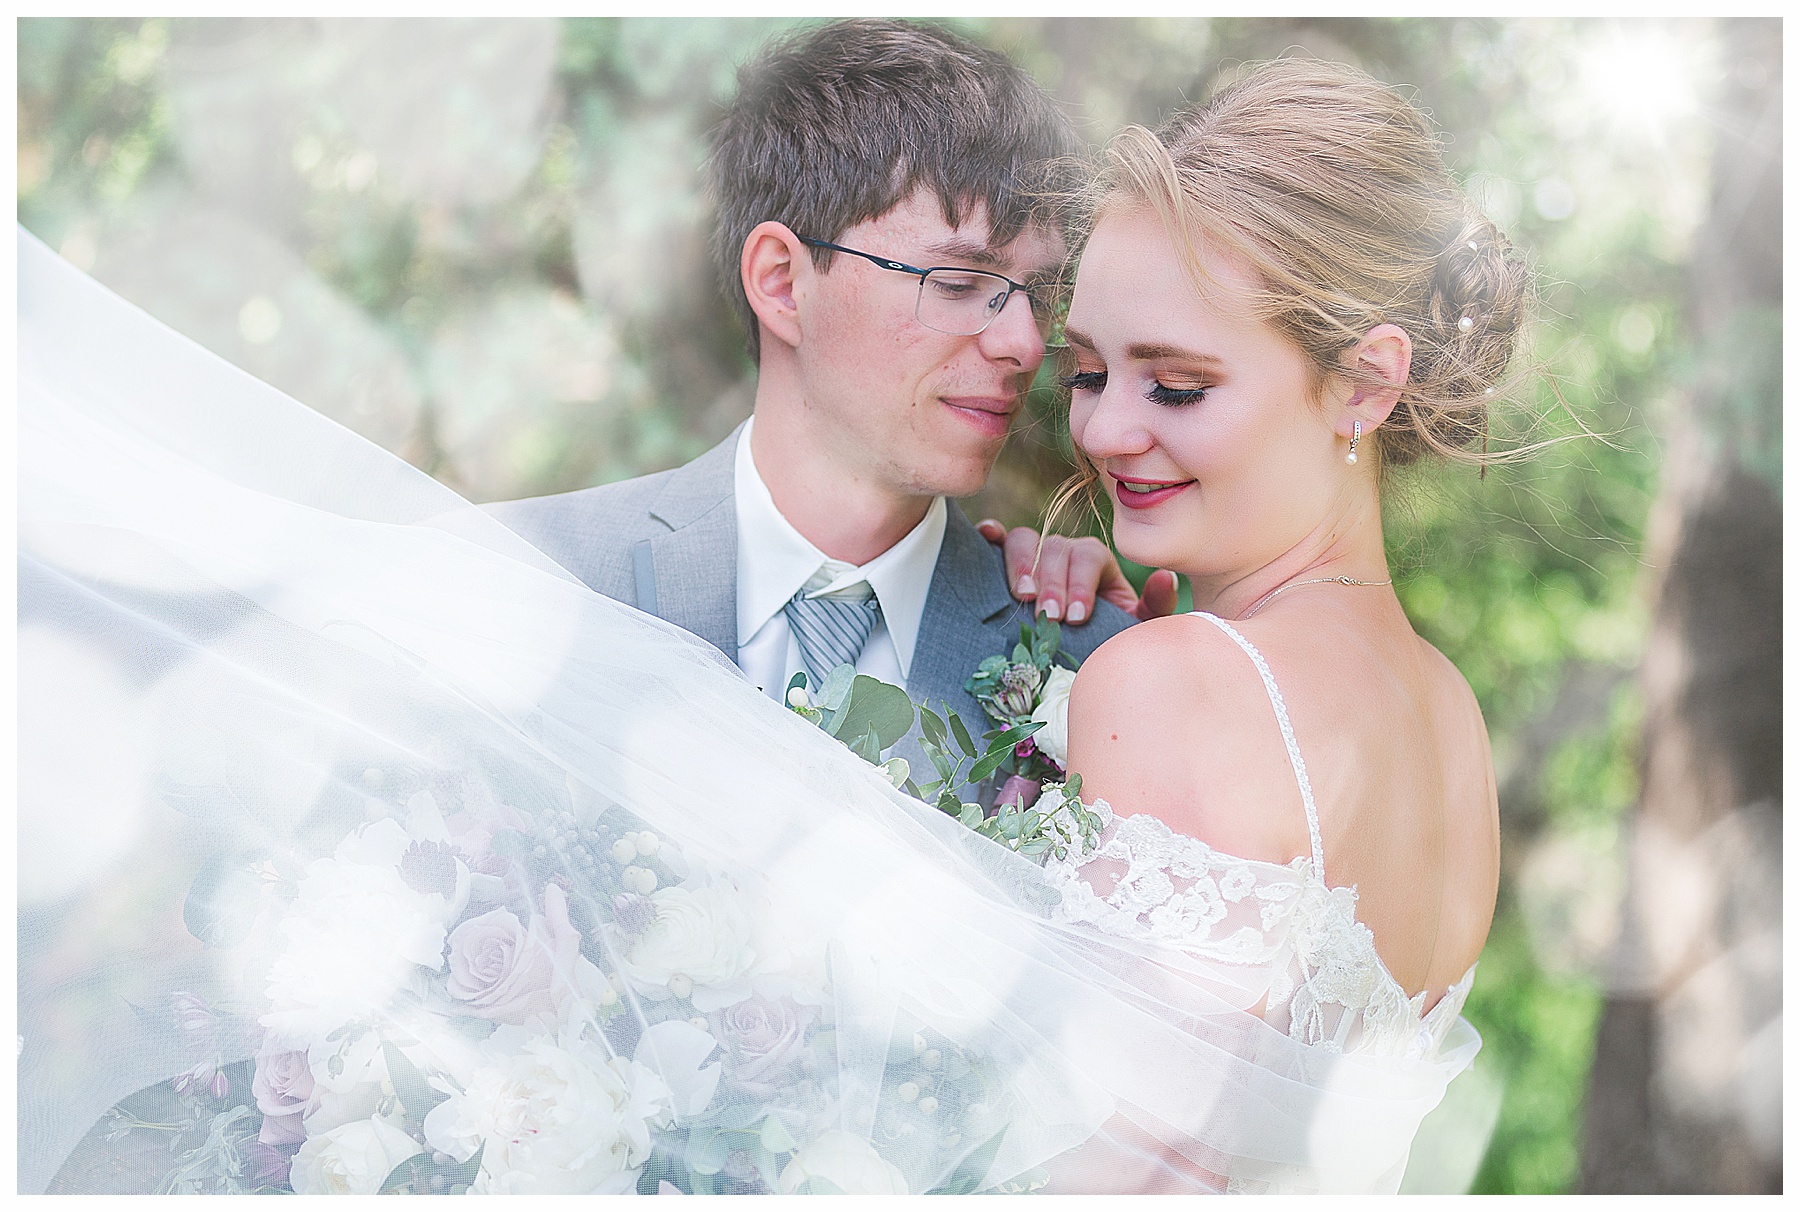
[(818, 532)]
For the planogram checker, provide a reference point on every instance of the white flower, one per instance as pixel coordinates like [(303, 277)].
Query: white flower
[(556, 1113), (679, 1051), (700, 932), (354, 1159), (849, 1163), (356, 933), (1053, 711)]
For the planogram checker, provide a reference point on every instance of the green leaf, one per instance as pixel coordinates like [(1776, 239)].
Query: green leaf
[(972, 1170), (1046, 643), (931, 726), (836, 687), (403, 1175), (971, 815), (418, 1170), (868, 748), (775, 1136), (981, 771), (963, 741), (416, 1094), (946, 769), (707, 1149), (899, 772), (873, 705), (799, 679)]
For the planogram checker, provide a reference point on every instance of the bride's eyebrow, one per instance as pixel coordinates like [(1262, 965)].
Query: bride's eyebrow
[(1076, 337), (1152, 352)]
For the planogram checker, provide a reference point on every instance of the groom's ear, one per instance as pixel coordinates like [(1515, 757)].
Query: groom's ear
[(772, 262)]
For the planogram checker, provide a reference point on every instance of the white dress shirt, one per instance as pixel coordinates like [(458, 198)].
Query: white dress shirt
[(774, 560)]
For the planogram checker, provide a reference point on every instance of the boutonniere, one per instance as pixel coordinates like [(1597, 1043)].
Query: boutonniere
[(1024, 687), (868, 715)]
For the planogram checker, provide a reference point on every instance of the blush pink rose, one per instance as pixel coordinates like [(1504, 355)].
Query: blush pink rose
[(766, 1040), (283, 1089), (505, 970)]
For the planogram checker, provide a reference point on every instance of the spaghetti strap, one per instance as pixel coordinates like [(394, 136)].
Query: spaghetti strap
[(1287, 737)]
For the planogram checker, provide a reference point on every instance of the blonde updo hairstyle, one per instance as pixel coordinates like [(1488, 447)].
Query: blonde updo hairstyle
[(1331, 187)]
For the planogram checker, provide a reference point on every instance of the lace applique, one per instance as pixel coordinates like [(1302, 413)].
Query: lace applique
[(1326, 985)]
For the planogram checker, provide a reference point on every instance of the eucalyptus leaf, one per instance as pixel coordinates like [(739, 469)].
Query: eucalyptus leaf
[(972, 1170), (415, 1093), (707, 1149), (931, 725), (836, 687), (406, 1173), (872, 705), (868, 748), (963, 741), (775, 1136)]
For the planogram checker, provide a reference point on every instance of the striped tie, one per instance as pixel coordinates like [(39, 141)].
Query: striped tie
[(831, 630)]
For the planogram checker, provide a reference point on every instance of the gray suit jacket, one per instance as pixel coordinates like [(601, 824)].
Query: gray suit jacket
[(667, 544)]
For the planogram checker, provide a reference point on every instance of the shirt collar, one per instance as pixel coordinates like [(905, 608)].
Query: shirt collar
[(775, 560)]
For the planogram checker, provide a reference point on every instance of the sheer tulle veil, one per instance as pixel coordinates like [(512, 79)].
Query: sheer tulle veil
[(254, 649)]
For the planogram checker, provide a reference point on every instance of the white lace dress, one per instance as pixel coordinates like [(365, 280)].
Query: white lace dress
[(1282, 924)]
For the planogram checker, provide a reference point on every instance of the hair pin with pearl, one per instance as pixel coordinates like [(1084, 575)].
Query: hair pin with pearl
[(1466, 323)]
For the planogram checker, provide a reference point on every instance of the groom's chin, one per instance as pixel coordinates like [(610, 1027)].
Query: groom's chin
[(961, 476)]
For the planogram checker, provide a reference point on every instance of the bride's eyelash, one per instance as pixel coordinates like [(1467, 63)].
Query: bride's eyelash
[(1175, 397), (1084, 380)]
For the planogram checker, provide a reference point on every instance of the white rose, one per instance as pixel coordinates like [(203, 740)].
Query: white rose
[(356, 933), (354, 1159), (1053, 711), (558, 1115), (847, 1162), (700, 932)]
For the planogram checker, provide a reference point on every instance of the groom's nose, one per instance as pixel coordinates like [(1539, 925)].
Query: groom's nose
[(1013, 335)]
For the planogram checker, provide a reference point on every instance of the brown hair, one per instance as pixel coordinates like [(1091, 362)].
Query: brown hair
[(1331, 187), (839, 124)]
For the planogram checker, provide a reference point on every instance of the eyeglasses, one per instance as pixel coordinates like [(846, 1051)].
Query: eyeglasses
[(963, 302)]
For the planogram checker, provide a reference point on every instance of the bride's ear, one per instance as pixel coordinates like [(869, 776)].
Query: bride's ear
[(1385, 355), (772, 264)]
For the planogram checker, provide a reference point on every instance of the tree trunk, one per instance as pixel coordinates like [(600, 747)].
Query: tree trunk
[(1685, 1091)]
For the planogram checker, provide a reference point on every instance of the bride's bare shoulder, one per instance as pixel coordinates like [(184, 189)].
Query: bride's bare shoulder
[(1156, 661), (1169, 718)]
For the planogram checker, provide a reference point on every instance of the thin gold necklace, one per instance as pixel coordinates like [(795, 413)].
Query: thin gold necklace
[(1281, 589)]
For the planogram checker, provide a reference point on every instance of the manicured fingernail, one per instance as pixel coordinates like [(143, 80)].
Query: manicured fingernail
[(1050, 608), (1077, 612), (1026, 586)]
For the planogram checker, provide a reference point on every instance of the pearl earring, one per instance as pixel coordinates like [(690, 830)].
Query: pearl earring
[(1355, 437)]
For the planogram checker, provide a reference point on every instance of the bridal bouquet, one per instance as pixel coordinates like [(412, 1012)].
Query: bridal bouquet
[(494, 1001)]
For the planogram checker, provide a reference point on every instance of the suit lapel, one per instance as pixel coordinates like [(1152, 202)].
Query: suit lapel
[(696, 561), (967, 613)]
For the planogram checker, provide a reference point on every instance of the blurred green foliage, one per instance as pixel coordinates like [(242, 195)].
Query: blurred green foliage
[(1526, 576)]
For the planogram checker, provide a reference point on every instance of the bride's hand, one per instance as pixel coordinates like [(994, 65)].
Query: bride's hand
[(1070, 573)]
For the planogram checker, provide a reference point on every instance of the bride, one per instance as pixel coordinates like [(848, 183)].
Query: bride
[(422, 867)]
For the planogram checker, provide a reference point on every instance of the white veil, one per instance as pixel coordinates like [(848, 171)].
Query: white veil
[(249, 639)]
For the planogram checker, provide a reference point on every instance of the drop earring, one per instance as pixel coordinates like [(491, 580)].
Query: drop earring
[(1355, 437)]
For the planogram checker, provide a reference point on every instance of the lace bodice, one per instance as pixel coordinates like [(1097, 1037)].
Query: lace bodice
[(1282, 925)]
